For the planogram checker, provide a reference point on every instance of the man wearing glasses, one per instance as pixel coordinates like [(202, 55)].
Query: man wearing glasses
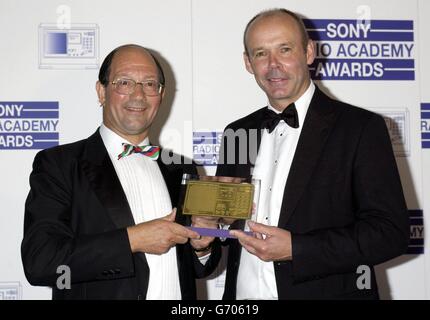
[(101, 208)]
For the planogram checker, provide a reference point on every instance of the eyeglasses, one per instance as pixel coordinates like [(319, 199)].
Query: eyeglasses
[(128, 86)]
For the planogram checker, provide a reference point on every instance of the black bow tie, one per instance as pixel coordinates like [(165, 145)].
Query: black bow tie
[(271, 118)]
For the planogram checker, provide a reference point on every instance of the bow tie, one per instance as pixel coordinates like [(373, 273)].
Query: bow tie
[(147, 150), (271, 118)]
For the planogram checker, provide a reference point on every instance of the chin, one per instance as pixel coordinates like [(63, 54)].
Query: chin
[(280, 97)]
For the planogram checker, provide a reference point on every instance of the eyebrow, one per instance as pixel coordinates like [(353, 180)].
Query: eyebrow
[(288, 43), (148, 77), (253, 51)]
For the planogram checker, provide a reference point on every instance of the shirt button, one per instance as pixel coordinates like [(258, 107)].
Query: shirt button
[(270, 189), (276, 161)]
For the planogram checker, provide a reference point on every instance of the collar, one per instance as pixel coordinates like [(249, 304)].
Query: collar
[(113, 142)]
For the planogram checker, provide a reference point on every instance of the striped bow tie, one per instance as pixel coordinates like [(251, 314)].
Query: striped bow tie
[(150, 151)]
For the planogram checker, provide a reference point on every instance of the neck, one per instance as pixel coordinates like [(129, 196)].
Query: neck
[(135, 140)]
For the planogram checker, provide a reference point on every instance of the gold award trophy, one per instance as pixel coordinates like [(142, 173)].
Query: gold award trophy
[(224, 197)]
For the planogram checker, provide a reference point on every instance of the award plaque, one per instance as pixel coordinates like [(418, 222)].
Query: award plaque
[(224, 197), (221, 199)]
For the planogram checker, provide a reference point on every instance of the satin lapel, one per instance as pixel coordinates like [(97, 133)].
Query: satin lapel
[(319, 120), (172, 175), (167, 177), (254, 133), (254, 146), (101, 174)]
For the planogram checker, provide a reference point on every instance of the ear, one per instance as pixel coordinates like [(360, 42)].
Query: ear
[(248, 63), (163, 92), (101, 92), (310, 52)]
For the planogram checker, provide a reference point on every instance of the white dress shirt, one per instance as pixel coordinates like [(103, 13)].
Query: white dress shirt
[(256, 278), (149, 199)]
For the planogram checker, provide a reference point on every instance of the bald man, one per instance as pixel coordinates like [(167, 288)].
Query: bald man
[(331, 200)]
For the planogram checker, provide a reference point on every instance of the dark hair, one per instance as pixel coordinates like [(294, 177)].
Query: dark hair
[(274, 12), (104, 72)]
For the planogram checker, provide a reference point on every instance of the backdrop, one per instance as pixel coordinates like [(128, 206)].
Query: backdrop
[(369, 55)]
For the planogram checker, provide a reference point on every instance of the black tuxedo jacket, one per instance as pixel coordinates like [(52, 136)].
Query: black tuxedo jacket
[(76, 214), (343, 202)]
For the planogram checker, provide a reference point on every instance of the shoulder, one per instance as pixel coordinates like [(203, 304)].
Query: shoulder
[(65, 153), (252, 120), (357, 116), (352, 114), (64, 150)]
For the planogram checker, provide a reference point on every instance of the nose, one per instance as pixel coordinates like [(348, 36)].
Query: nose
[(273, 60), (138, 91)]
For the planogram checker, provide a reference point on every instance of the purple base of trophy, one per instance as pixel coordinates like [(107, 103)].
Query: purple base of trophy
[(220, 233)]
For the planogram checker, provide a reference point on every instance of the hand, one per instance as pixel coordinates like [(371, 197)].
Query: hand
[(268, 244), (159, 235), (203, 222)]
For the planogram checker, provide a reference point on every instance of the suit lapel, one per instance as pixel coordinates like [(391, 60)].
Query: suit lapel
[(254, 146), (254, 134), (172, 175), (101, 174), (319, 120)]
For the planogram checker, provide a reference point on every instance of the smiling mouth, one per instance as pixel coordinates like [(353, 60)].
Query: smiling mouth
[(136, 109), (276, 79)]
